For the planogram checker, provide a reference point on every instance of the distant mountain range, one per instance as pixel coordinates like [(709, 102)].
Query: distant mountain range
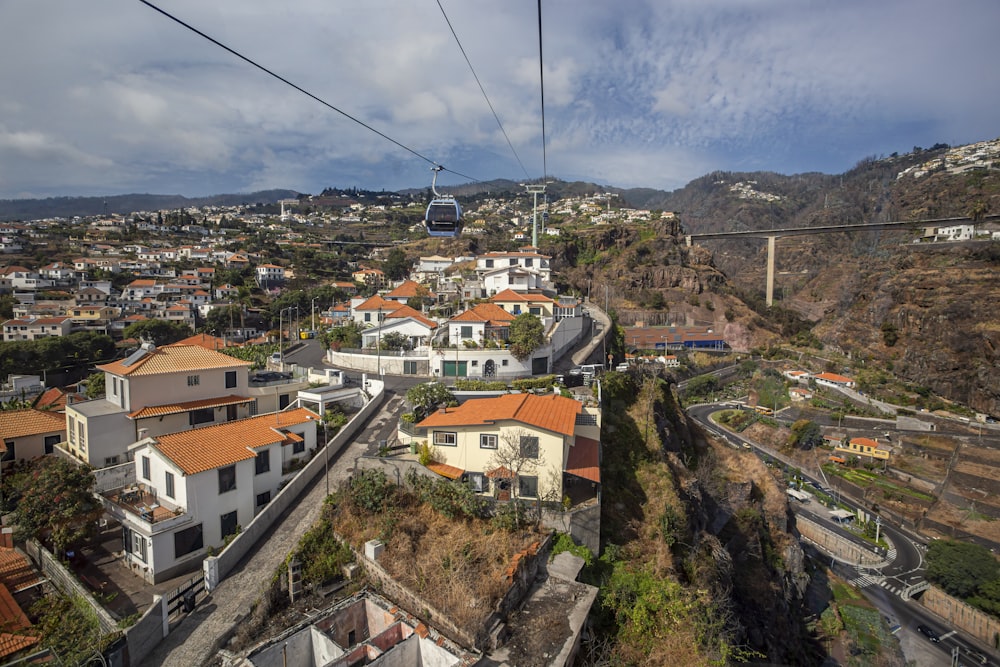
[(68, 207)]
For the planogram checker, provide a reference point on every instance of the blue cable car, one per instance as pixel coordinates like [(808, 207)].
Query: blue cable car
[(444, 215)]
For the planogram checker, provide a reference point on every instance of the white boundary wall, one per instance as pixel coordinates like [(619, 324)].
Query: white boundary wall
[(218, 567)]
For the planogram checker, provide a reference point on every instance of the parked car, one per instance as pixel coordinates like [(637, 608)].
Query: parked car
[(929, 633), (275, 358)]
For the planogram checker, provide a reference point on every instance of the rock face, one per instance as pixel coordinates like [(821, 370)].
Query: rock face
[(931, 313)]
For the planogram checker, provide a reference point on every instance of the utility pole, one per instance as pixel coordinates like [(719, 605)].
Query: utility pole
[(312, 315)]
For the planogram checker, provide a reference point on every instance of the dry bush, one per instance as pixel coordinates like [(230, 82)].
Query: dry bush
[(456, 565)]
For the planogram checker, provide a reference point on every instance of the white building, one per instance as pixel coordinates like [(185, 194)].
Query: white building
[(195, 488)]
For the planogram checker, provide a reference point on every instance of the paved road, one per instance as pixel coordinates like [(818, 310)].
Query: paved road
[(196, 639)]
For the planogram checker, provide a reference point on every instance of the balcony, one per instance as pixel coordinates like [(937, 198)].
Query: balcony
[(140, 501)]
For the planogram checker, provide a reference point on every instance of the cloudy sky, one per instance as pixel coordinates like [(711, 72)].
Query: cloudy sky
[(110, 97)]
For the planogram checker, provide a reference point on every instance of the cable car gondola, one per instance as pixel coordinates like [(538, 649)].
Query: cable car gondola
[(444, 215)]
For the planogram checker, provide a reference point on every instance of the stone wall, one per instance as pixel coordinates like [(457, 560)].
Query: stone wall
[(64, 580), (840, 547), (958, 614)]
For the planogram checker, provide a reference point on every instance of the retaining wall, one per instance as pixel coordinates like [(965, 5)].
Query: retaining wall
[(832, 543), (217, 567), (958, 614), (64, 580), (148, 631)]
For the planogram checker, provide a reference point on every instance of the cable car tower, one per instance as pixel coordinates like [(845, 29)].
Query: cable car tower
[(444, 215)]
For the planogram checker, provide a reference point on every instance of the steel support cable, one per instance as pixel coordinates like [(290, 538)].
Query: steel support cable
[(541, 83), (300, 89), (481, 88)]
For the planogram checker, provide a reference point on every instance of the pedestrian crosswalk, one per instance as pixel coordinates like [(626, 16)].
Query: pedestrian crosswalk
[(867, 580)]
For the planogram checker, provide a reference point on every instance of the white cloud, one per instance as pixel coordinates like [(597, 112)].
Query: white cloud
[(110, 97)]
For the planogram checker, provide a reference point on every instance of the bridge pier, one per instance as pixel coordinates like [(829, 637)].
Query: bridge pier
[(770, 269)]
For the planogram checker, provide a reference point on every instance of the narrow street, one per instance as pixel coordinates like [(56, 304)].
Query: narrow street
[(201, 634)]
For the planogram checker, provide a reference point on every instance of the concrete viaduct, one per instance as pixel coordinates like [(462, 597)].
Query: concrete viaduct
[(773, 234)]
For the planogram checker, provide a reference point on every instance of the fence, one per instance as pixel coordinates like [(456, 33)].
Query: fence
[(217, 567)]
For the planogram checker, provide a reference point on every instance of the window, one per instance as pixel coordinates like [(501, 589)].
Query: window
[(474, 363), (298, 446), (529, 446), (445, 439), (51, 441), (283, 401), (9, 454), (110, 460), (478, 482), (263, 498), (145, 467), (188, 541), (263, 462), (231, 413), (169, 484), (71, 429), (527, 486), (465, 332), (487, 441), (368, 317), (489, 264), (194, 380), (139, 546), (528, 261), (114, 386), (81, 435), (409, 368), (503, 362), (202, 416), (227, 524), (230, 379), (227, 479)]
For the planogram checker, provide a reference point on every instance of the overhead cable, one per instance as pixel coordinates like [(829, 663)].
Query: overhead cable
[(541, 83), (483, 90), (300, 89)]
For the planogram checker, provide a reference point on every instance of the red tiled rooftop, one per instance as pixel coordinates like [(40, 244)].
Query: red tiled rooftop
[(550, 412), (175, 408)]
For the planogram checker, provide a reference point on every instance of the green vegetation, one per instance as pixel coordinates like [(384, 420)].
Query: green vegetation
[(54, 500), (77, 350), (69, 627), (426, 397), (967, 571), (322, 555), (160, 332), (527, 334)]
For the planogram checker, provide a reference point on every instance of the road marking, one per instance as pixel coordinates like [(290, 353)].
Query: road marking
[(948, 634)]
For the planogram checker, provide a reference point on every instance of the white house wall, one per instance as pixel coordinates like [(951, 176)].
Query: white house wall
[(173, 387)]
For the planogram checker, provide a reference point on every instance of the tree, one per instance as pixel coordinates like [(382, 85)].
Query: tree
[(526, 335), (516, 457), (805, 434), (427, 396), (396, 266), (160, 332), (95, 385), (57, 501), (960, 568), (221, 319), (395, 341)]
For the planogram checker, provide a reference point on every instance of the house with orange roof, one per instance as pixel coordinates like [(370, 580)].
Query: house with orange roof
[(518, 446), (191, 490), (516, 303), (405, 321), (869, 447), (34, 328), (30, 433), (370, 278), (481, 323), (157, 390), (407, 290), (371, 311), (833, 380)]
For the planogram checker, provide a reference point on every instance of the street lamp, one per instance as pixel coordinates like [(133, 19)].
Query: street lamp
[(312, 315), (378, 343)]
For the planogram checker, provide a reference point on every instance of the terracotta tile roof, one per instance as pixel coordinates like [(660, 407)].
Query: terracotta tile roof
[(13, 618), (174, 358), (445, 470), (36, 321), (409, 288), (211, 447), (550, 412), (490, 313), (510, 295), (204, 340), (20, 423), (584, 459), (406, 311), (376, 302), (54, 399), (175, 408), (833, 377), (866, 442), (16, 572)]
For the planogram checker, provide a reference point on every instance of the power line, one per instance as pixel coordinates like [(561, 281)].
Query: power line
[(541, 83), (485, 96), (301, 90)]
